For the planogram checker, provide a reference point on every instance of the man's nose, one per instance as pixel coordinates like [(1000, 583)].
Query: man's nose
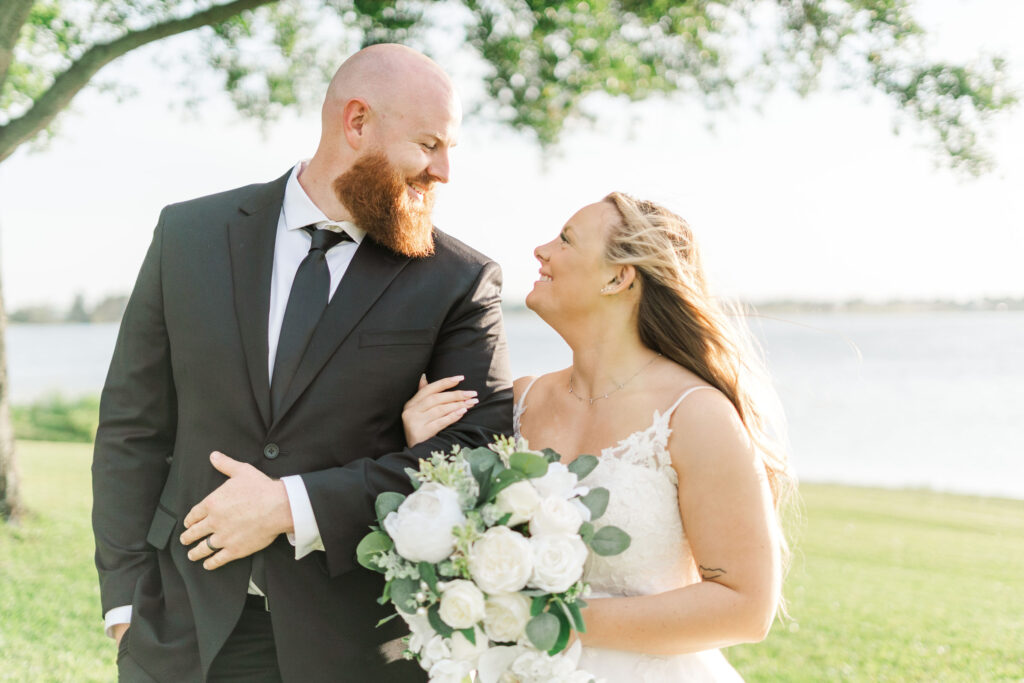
[(439, 168)]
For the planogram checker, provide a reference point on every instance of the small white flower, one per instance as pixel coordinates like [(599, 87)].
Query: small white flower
[(420, 630), (558, 482), (422, 526), (557, 561), (555, 516), (462, 604), (449, 671), (520, 499), (501, 561), (435, 650), (465, 651), (506, 616)]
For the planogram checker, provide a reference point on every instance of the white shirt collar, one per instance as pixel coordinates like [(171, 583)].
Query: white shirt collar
[(300, 211)]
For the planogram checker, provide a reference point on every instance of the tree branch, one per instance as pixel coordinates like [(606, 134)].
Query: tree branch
[(13, 15), (69, 83)]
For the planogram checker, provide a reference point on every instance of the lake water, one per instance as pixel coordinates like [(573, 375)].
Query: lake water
[(931, 400)]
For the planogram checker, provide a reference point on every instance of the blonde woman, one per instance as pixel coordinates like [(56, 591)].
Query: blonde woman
[(661, 389)]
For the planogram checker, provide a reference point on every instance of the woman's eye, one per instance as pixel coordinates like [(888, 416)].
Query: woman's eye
[(561, 236)]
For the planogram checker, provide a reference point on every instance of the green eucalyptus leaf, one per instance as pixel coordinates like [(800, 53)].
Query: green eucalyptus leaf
[(596, 501), (505, 479), (577, 615), (403, 592), (530, 464), (551, 455), (564, 631), (434, 617), (470, 634), (609, 540), (543, 631), (583, 465), (386, 503), (411, 473), (428, 574), (538, 603), (372, 544), (482, 464), (386, 620), (586, 532)]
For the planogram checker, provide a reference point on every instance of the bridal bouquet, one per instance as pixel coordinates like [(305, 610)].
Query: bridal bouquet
[(484, 561)]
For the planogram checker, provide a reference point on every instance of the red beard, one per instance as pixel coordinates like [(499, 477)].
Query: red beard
[(376, 195)]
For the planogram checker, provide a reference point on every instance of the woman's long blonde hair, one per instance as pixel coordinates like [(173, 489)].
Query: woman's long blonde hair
[(679, 318)]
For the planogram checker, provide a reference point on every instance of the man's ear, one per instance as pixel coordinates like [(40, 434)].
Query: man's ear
[(354, 117)]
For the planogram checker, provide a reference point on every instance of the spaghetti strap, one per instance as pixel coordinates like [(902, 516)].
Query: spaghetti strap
[(679, 400), (521, 405)]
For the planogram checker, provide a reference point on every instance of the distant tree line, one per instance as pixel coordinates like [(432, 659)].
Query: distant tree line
[(107, 310)]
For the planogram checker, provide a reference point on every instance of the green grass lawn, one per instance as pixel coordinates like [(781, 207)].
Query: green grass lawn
[(885, 586)]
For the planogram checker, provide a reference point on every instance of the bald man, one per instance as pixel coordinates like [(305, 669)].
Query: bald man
[(252, 411)]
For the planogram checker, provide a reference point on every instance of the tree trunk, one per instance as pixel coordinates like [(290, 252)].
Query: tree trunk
[(10, 496)]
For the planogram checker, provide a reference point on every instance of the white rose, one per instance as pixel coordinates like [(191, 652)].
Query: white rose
[(521, 499), (494, 663), (581, 508), (558, 482), (555, 516), (422, 526), (465, 651), (500, 561), (506, 616), (435, 650), (462, 604), (557, 561), (532, 666), (449, 671)]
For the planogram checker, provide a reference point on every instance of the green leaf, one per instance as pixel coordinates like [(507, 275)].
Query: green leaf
[(564, 631), (583, 465), (387, 503), (482, 463), (537, 604), (411, 473), (372, 544), (503, 521), (530, 464), (403, 592), (544, 630), (434, 617), (428, 574), (596, 501), (551, 455), (577, 615), (505, 479), (586, 532), (386, 620), (470, 634), (610, 540)]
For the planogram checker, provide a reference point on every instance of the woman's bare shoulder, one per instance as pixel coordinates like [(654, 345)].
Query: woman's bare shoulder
[(535, 384)]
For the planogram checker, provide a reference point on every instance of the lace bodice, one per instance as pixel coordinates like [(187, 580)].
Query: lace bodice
[(644, 502)]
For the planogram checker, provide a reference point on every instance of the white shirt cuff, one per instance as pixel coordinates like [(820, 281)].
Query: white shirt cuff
[(306, 538), (118, 615)]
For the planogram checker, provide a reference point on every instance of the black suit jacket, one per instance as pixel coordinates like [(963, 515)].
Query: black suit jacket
[(189, 376)]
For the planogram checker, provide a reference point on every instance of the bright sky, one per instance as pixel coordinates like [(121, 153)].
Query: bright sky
[(811, 199)]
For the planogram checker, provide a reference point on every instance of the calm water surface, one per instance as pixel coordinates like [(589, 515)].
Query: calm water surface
[(932, 400)]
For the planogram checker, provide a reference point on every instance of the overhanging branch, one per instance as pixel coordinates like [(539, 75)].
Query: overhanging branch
[(78, 75)]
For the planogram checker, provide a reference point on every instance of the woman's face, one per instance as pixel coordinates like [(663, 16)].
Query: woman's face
[(572, 265)]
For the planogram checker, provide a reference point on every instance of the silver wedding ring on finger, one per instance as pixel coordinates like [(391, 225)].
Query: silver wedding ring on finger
[(211, 546)]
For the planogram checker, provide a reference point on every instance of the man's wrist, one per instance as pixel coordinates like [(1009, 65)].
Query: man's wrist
[(285, 522)]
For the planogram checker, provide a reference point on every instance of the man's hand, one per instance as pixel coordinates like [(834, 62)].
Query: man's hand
[(242, 516), (118, 631)]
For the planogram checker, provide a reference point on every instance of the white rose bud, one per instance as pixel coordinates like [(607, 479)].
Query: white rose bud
[(462, 604), (422, 526), (557, 482), (557, 561), (506, 616), (500, 561), (465, 651), (521, 499), (555, 516)]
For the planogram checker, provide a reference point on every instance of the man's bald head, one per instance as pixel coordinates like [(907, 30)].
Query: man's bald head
[(390, 78)]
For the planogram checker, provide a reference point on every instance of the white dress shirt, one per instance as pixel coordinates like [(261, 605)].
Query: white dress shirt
[(291, 244)]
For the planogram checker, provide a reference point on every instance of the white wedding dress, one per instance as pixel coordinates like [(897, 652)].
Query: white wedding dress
[(645, 504)]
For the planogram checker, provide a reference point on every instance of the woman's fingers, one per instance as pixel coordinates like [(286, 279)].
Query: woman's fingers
[(448, 419), (427, 390)]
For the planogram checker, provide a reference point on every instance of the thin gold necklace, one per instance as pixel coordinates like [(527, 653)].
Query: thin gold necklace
[(618, 386)]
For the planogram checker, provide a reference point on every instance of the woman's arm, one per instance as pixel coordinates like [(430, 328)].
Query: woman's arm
[(729, 521)]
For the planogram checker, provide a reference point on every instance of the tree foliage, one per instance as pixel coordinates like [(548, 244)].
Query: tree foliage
[(543, 59)]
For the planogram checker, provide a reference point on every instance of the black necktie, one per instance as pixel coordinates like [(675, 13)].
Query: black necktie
[(306, 303)]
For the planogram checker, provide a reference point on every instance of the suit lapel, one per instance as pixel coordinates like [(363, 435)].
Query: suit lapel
[(371, 271), (252, 235)]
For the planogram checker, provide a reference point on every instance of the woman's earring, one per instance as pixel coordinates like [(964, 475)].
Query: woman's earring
[(606, 289)]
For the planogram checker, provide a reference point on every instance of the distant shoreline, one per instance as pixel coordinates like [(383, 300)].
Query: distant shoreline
[(863, 306)]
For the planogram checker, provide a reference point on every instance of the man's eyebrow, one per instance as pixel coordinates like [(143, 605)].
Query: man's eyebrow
[(439, 138)]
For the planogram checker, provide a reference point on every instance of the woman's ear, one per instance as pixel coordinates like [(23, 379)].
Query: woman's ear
[(625, 278)]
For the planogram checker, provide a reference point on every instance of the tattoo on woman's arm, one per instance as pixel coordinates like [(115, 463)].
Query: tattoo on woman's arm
[(710, 573)]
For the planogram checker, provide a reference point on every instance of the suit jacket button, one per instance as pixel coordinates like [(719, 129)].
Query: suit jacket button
[(271, 451)]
